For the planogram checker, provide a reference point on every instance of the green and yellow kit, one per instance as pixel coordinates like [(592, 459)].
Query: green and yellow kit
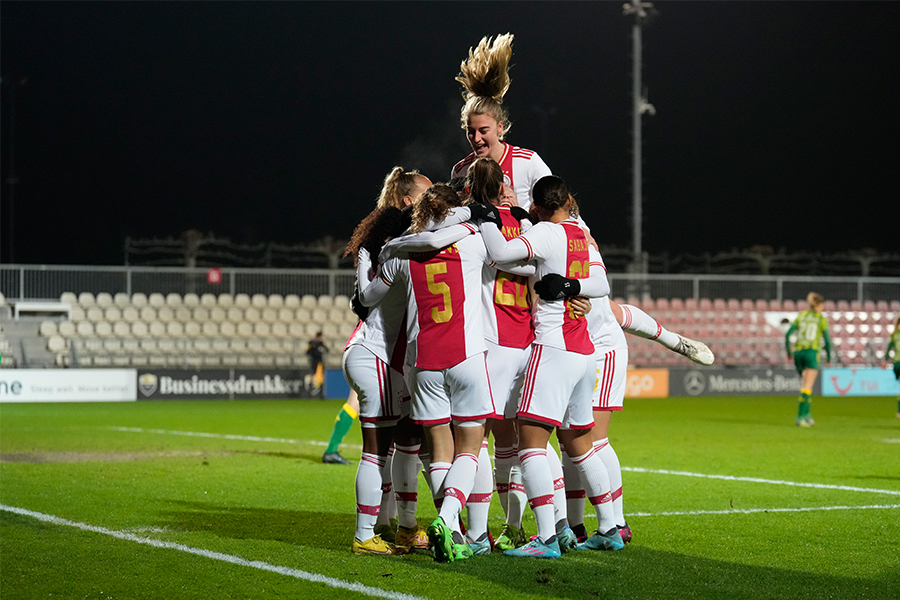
[(812, 330)]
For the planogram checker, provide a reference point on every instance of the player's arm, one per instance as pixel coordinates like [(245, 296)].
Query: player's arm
[(827, 339), (426, 240), (524, 269), (502, 251), (887, 352), (377, 289), (787, 338), (457, 215), (556, 287)]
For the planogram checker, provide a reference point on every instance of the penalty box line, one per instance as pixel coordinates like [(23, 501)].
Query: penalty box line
[(235, 560), (821, 486), (227, 436)]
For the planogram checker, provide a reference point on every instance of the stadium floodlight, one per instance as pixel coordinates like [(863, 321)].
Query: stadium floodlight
[(641, 12)]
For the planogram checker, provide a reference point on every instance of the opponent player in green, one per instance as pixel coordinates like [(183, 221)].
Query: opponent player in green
[(894, 345), (811, 327)]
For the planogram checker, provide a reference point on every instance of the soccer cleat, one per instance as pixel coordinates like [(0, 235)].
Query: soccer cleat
[(463, 551), (415, 537), (580, 532), (480, 547), (625, 533), (803, 423), (810, 421), (611, 540), (536, 549), (376, 545), (334, 458), (510, 537), (696, 351), (441, 539), (387, 531), (566, 539)]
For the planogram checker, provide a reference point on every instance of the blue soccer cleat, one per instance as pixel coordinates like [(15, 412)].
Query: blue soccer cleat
[(536, 549), (611, 540)]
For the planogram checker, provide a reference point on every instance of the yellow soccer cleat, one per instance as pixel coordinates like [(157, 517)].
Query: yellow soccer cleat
[(415, 537), (376, 545)]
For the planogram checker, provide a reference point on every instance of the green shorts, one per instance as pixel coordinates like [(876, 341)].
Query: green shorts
[(806, 359)]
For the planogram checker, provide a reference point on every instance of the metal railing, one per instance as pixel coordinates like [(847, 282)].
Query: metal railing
[(48, 282)]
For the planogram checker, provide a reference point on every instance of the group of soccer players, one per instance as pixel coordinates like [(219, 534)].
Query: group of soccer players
[(485, 310)]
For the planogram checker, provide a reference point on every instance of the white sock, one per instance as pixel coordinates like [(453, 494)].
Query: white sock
[(457, 487), (637, 322), (559, 487), (388, 505), (510, 489), (611, 462), (575, 494), (368, 494), (478, 504), (437, 473), (596, 484), (405, 475), (539, 488)]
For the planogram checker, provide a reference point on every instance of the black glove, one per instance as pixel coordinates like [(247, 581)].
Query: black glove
[(556, 287), (356, 306), (519, 213), (484, 212)]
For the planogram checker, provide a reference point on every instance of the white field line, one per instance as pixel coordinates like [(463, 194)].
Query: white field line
[(236, 560), (891, 441), (227, 436), (823, 486), (749, 511)]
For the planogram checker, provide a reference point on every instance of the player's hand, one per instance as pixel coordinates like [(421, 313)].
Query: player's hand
[(581, 305), (356, 306), (556, 287), (519, 213), (483, 212)]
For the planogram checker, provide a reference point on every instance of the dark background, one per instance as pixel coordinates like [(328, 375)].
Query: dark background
[(277, 122)]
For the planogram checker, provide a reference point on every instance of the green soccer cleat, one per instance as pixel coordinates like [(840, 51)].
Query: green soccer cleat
[(536, 549), (611, 540), (510, 537), (463, 551), (441, 539), (566, 539)]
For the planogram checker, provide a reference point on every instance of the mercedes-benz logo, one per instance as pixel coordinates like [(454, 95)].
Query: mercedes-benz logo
[(694, 383)]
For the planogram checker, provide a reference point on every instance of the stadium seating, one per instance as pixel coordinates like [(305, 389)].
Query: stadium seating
[(263, 331)]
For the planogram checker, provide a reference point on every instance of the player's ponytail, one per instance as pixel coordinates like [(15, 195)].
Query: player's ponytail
[(397, 184), (433, 205), (814, 300), (483, 181), (550, 193), (485, 79)]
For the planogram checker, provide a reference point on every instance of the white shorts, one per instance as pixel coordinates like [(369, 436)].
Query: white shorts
[(460, 393), (557, 389), (506, 368), (612, 373), (383, 396)]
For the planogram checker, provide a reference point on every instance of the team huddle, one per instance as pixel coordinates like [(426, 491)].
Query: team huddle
[(485, 310)]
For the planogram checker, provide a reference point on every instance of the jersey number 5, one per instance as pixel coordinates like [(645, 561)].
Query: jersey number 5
[(439, 288)]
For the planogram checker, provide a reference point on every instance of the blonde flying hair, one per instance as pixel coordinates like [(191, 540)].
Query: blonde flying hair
[(485, 78), (397, 184), (814, 300)]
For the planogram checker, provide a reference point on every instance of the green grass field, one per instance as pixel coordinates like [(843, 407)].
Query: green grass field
[(127, 501)]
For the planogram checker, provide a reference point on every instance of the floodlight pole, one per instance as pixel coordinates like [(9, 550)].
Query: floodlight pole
[(640, 11)]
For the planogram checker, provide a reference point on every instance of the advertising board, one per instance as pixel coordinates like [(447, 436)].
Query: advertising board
[(859, 382), (647, 383), (735, 382), (220, 384), (68, 385)]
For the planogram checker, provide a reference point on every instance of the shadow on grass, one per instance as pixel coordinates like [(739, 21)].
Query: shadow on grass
[(640, 572), (291, 526), (635, 572)]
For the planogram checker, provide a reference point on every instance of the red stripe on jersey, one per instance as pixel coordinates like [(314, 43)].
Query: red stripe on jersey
[(440, 293), (506, 165), (464, 163), (511, 306), (578, 266), (601, 265), (522, 152), (398, 357)]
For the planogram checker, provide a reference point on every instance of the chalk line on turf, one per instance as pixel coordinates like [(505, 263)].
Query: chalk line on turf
[(236, 560), (227, 436), (823, 486)]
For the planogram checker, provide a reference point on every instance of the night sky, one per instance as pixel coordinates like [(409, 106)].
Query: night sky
[(776, 122)]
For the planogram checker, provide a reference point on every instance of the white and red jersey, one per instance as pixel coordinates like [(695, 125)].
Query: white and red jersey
[(606, 333), (384, 332), (444, 322), (560, 248), (506, 298), (521, 170)]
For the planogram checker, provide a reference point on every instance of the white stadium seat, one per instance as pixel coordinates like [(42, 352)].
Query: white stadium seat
[(292, 301), (308, 301), (165, 314), (259, 301), (228, 329), (208, 300), (104, 299), (121, 300), (86, 299), (140, 329), (217, 314), (210, 328), (148, 314), (325, 302), (173, 300), (113, 314), (121, 329), (48, 328), (191, 300), (251, 314), (276, 301), (139, 300), (68, 298), (156, 300), (242, 300), (192, 329), (67, 329), (226, 300)]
